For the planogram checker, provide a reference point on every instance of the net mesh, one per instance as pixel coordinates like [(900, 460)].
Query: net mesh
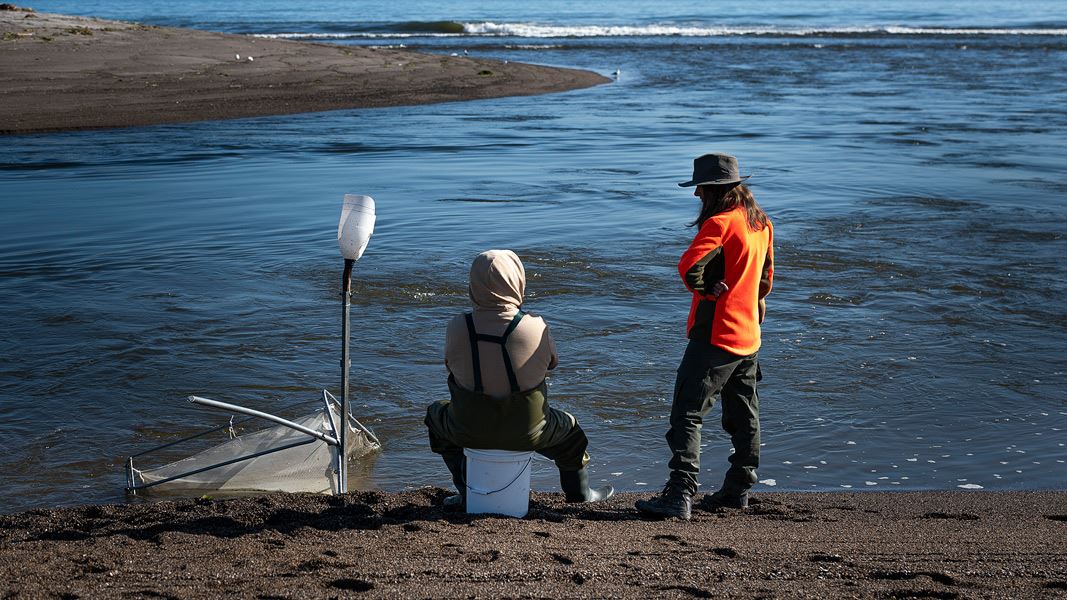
[(305, 468)]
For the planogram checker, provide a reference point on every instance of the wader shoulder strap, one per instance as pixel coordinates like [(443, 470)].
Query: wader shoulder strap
[(512, 380), (475, 337), (474, 353)]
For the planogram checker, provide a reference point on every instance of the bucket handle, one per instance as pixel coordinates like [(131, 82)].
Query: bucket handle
[(525, 467)]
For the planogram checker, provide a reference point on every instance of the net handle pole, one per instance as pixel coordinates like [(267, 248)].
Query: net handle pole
[(346, 301), (129, 475), (255, 413)]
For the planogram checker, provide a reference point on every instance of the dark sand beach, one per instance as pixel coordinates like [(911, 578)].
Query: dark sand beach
[(63, 73), (372, 544)]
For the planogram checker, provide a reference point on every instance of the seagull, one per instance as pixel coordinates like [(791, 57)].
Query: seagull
[(617, 73)]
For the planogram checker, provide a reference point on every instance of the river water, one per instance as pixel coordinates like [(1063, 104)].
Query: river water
[(911, 157)]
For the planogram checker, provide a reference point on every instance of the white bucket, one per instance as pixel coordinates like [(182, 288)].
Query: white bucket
[(498, 481)]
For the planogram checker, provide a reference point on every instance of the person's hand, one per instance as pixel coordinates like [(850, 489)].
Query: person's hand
[(718, 289)]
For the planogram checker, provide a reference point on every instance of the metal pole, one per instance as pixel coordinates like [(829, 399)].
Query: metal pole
[(256, 413), (346, 295), (129, 476)]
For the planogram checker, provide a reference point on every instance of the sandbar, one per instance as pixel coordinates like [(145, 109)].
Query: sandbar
[(60, 72)]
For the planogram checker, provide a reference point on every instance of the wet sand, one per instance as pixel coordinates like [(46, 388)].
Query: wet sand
[(371, 544), (61, 72)]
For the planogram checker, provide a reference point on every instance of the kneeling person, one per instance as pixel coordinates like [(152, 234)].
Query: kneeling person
[(497, 358)]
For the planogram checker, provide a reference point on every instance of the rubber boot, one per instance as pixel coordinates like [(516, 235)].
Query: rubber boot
[(575, 486), (457, 466)]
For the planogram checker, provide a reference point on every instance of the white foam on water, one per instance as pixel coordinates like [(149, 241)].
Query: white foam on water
[(870, 483), (617, 474), (845, 485), (912, 459), (850, 443), (787, 462), (769, 482), (640, 483), (970, 486), (545, 30), (810, 467), (822, 462), (355, 35)]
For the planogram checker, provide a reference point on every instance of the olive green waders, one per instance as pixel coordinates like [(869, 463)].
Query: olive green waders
[(707, 371), (521, 421)]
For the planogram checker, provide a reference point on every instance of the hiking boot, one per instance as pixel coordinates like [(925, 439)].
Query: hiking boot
[(722, 499), (575, 486), (670, 503)]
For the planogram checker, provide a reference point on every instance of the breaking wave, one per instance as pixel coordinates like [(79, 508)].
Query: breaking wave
[(534, 30)]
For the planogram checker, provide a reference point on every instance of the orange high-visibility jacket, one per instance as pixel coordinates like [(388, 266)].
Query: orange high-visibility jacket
[(726, 249)]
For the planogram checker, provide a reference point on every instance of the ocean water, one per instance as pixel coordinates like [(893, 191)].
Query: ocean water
[(911, 155)]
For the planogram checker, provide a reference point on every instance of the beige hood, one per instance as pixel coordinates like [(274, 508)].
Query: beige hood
[(498, 281)]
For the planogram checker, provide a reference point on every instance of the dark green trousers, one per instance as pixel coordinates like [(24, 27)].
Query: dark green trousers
[(707, 371), (523, 421)]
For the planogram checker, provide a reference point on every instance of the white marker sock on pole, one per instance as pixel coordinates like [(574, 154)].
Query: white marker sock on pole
[(353, 235)]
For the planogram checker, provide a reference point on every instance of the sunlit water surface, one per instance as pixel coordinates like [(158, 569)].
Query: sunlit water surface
[(915, 337)]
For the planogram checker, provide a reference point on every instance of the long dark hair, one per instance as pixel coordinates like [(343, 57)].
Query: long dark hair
[(728, 197)]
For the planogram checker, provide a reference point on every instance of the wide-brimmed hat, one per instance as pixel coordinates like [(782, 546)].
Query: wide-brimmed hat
[(714, 169)]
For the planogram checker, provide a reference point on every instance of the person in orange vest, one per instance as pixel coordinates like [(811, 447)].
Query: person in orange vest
[(728, 269)]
